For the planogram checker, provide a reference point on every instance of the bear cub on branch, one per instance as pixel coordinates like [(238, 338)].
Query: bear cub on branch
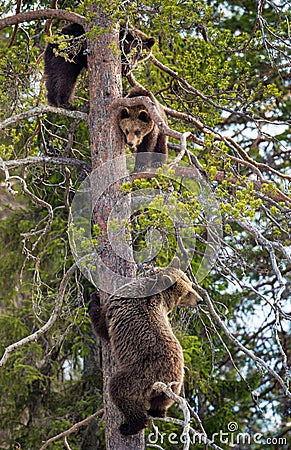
[(61, 74), (143, 344), (142, 133)]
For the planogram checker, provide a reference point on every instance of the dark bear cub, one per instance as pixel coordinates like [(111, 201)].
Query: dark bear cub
[(143, 344), (142, 133), (61, 74)]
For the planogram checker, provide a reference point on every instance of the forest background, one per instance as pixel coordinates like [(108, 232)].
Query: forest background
[(222, 71)]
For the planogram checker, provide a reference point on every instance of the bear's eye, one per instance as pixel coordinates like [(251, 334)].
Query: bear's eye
[(143, 115), (126, 131), (137, 133), (124, 114)]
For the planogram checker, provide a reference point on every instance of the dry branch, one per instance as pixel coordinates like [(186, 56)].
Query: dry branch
[(187, 429), (71, 430), (39, 160), (39, 110), (55, 314), (257, 360)]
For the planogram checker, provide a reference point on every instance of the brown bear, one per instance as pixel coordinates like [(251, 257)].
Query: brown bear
[(61, 74), (143, 344), (142, 133)]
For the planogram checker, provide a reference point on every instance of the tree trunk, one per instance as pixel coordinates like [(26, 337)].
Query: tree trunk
[(105, 85)]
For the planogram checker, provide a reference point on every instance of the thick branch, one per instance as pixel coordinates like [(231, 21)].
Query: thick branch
[(38, 160), (39, 110), (42, 14)]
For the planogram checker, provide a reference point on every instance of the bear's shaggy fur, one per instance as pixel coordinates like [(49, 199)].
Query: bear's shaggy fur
[(61, 74), (142, 133), (143, 345)]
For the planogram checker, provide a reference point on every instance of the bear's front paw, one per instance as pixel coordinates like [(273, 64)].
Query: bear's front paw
[(126, 429), (95, 299), (157, 412)]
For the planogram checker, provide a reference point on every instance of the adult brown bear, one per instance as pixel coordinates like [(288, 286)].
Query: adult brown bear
[(143, 344)]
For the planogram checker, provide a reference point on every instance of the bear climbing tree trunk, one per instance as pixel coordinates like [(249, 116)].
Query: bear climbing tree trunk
[(106, 142)]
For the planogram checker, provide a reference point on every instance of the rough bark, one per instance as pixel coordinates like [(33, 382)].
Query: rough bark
[(106, 144)]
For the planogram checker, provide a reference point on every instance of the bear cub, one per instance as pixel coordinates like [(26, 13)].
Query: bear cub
[(61, 74), (142, 133), (143, 344)]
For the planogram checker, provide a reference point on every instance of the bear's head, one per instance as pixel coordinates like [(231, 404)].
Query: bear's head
[(179, 287), (135, 46), (135, 122)]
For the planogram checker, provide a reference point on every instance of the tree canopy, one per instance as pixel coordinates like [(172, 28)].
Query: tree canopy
[(221, 70)]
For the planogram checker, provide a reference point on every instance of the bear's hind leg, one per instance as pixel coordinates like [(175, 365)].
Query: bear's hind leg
[(124, 393)]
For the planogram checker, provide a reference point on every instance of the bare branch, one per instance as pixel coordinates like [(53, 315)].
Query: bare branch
[(39, 160), (7, 177), (40, 202), (258, 361), (71, 430), (162, 387), (55, 314), (39, 110), (187, 429), (18, 9), (66, 444)]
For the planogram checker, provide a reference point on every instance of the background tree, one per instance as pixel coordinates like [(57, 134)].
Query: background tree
[(221, 71)]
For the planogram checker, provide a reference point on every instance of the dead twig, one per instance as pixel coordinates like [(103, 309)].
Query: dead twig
[(71, 430)]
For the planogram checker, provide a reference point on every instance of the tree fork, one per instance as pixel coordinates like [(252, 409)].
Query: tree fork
[(104, 68)]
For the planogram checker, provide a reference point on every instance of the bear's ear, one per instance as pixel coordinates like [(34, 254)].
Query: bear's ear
[(175, 263), (144, 116), (124, 114), (150, 42), (166, 281)]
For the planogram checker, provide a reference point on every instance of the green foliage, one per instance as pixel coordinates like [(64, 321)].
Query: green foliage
[(163, 213)]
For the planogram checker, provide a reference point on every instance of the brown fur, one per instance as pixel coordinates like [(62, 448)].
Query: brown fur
[(61, 74), (144, 345), (142, 133)]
